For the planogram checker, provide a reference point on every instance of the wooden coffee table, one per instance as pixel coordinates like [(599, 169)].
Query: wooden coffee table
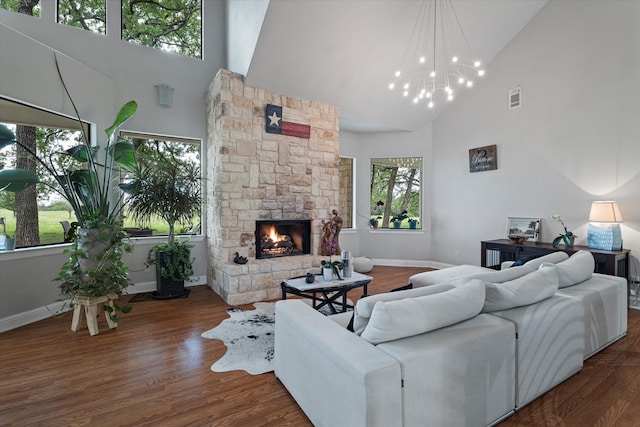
[(323, 293)]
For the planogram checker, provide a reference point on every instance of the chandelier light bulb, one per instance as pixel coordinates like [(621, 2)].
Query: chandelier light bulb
[(476, 64), (421, 95), (450, 97), (469, 83), (422, 59), (398, 73), (406, 86), (405, 93), (447, 89), (428, 94), (430, 104), (433, 73), (415, 100), (481, 73), (391, 85), (460, 80), (454, 59)]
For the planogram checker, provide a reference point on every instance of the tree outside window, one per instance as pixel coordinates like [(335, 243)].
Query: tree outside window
[(170, 25), (89, 15), (396, 192)]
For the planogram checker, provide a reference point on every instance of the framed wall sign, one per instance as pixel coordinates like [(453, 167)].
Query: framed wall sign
[(483, 158)]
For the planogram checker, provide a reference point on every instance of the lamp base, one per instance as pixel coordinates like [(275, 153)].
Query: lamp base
[(607, 237)]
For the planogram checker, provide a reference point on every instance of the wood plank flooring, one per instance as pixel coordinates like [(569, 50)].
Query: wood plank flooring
[(154, 370)]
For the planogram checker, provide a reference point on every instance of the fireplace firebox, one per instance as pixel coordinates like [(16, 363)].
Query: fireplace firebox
[(278, 238)]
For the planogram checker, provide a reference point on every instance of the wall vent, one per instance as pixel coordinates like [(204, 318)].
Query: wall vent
[(515, 97)]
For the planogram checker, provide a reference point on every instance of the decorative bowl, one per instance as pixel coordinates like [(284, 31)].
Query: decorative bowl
[(518, 239)]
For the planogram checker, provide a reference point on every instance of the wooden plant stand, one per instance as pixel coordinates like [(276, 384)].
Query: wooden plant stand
[(91, 310)]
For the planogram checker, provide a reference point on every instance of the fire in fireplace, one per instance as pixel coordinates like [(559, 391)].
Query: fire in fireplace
[(277, 238)]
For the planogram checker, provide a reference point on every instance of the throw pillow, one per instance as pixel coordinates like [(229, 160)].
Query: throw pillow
[(523, 260), (364, 306), (392, 320), (525, 290), (578, 268)]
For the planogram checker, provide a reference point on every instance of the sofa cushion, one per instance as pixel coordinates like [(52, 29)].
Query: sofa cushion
[(445, 275), (553, 258), (391, 320), (525, 290), (499, 276), (578, 268), (364, 306)]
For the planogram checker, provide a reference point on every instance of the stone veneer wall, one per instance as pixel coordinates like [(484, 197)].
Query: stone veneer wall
[(253, 175)]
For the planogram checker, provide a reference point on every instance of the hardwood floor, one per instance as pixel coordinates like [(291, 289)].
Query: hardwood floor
[(154, 369)]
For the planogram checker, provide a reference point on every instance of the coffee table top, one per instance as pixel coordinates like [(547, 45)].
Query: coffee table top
[(300, 284)]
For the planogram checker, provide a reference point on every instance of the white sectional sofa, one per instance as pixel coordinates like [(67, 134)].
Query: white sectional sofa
[(467, 346)]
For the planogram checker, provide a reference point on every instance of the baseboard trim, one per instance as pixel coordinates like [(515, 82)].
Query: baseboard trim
[(26, 317)]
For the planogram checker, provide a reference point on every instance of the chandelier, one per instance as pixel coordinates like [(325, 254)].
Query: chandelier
[(436, 62)]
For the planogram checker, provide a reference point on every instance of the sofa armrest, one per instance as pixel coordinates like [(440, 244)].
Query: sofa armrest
[(335, 376)]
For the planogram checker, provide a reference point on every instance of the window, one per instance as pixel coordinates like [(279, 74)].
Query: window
[(30, 7), (170, 25), (396, 192), (35, 215), (181, 151), (87, 14), (346, 192)]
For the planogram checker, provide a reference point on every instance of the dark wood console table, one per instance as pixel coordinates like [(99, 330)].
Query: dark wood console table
[(494, 252)]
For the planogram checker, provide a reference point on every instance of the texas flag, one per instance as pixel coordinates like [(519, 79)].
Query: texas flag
[(292, 126)]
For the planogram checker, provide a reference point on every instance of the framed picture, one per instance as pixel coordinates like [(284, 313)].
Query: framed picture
[(483, 158), (527, 227)]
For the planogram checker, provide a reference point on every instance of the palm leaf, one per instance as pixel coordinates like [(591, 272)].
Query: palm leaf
[(16, 180), (127, 110)]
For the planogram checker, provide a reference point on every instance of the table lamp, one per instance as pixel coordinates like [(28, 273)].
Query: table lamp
[(604, 230)]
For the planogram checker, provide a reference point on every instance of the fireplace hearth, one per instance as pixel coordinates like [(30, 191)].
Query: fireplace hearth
[(280, 238)]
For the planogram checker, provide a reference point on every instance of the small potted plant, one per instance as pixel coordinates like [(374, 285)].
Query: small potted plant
[(568, 237), (413, 223), (331, 268), (397, 219), (373, 222)]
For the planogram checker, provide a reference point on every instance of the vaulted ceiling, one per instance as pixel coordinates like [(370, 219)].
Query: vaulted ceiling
[(344, 53)]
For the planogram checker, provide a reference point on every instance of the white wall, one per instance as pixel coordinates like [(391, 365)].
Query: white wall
[(575, 139), (397, 247)]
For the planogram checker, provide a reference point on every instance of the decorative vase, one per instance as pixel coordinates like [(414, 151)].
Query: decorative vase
[(310, 278), (327, 274)]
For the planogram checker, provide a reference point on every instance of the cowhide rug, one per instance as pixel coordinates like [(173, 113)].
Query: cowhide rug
[(249, 337)]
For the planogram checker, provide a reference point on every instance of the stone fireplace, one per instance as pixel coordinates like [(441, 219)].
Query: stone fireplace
[(254, 176)]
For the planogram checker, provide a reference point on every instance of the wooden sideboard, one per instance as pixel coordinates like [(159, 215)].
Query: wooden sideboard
[(494, 252)]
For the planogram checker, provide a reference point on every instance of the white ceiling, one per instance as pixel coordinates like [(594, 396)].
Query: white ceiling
[(344, 52)]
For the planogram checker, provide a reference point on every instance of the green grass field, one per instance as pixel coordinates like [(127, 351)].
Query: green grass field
[(51, 231)]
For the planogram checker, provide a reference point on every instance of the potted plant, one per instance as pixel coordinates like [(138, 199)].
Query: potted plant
[(167, 187), (373, 222), (95, 268), (397, 219), (413, 223)]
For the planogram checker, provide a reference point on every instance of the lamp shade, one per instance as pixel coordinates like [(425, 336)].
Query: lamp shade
[(605, 212)]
